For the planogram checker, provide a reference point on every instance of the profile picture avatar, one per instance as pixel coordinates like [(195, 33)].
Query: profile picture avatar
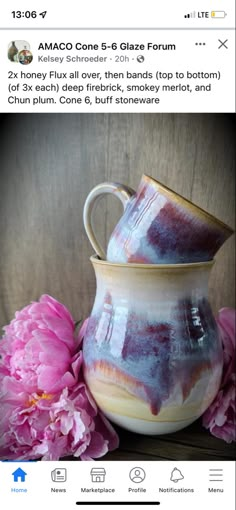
[(19, 52)]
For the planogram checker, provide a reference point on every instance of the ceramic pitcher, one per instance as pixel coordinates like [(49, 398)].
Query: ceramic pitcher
[(152, 356), (158, 226)]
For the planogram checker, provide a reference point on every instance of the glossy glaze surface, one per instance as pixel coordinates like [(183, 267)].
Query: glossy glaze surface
[(161, 227), (151, 350)]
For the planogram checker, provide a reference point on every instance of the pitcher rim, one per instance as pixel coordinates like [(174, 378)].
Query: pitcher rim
[(190, 204), (187, 265)]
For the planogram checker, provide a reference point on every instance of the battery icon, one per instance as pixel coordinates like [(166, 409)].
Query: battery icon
[(218, 14)]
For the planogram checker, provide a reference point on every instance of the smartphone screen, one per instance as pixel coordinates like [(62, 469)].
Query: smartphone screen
[(117, 255)]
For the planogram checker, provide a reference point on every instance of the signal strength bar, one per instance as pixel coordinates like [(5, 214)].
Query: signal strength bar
[(190, 15)]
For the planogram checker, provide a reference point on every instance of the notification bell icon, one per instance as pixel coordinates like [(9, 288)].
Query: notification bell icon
[(176, 475)]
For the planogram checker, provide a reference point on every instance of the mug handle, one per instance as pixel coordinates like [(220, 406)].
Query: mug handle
[(124, 193)]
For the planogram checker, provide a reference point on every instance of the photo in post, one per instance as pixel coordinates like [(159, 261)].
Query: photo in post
[(113, 352)]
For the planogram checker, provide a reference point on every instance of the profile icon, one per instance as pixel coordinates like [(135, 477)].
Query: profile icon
[(25, 57), (137, 475), (19, 52)]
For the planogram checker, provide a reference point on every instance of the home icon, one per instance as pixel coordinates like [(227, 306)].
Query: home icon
[(19, 473), (98, 474)]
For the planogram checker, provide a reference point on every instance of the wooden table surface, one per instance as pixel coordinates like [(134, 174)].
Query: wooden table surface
[(192, 443)]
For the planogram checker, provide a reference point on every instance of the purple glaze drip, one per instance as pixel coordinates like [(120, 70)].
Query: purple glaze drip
[(165, 235), (154, 356)]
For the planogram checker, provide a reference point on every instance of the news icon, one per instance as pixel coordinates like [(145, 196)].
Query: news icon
[(59, 475)]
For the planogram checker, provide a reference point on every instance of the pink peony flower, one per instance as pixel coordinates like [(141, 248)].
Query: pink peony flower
[(226, 321), (46, 410), (220, 417)]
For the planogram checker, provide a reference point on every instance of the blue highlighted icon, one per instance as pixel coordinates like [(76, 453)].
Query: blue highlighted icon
[(19, 475)]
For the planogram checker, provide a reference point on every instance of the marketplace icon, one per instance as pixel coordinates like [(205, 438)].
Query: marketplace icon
[(19, 52)]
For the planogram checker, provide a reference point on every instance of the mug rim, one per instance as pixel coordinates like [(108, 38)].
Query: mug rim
[(187, 265), (179, 198)]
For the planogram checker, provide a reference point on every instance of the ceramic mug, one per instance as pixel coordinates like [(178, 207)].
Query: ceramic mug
[(158, 226)]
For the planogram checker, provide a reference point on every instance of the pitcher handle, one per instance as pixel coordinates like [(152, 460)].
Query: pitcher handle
[(124, 193)]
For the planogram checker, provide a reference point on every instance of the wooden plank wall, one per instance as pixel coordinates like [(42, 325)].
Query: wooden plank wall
[(50, 162)]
